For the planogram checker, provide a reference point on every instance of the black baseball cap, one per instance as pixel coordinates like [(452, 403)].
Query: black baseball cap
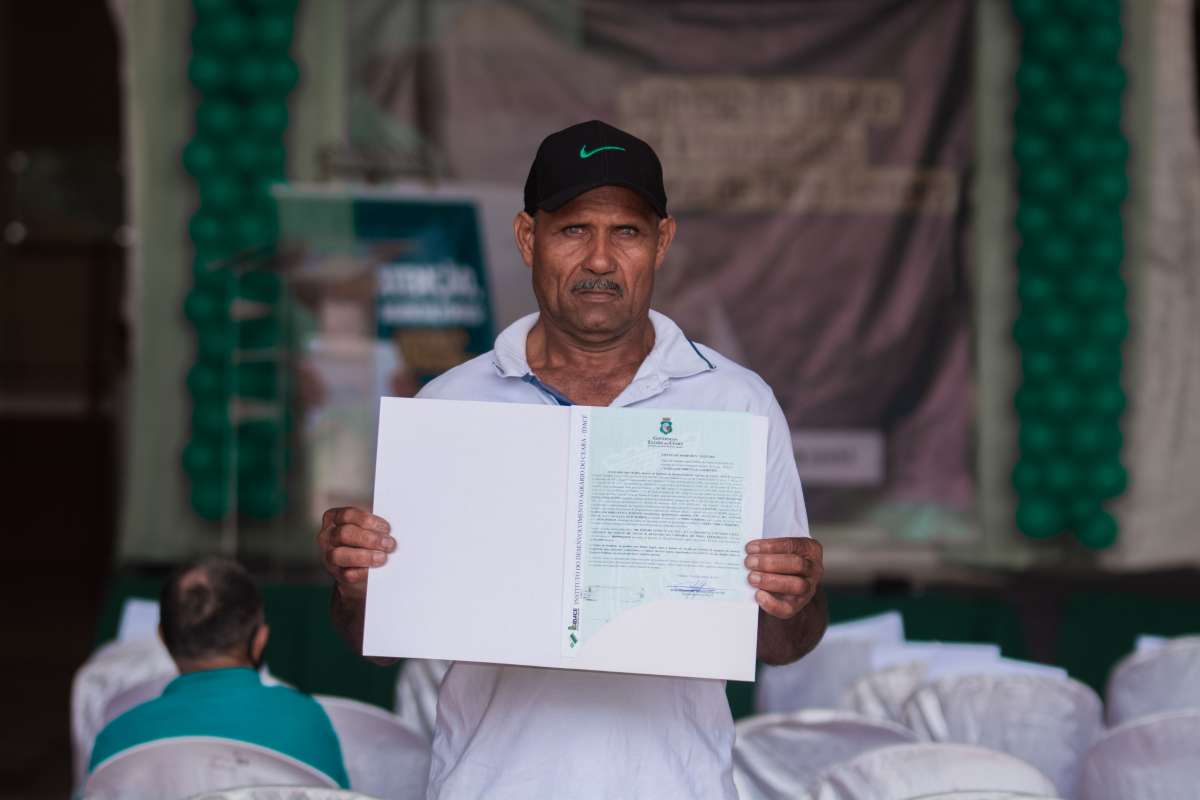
[(589, 155)]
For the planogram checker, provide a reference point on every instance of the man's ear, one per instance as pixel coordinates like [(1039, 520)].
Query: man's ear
[(666, 235), (523, 232), (259, 644)]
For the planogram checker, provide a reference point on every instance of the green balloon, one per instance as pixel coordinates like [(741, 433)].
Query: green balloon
[(261, 500), (254, 229), (1033, 78), (200, 158), (1103, 40), (1107, 400), (1104, 253), (210, 498), (1038, 517), (203, 457), (1111, 185), (1080, 75), (221, 192), (1026, 331), (258, 380), (1030, 148), (1080, 215), (273, 32), (210, 418), (272, 160), (1030, 12), (1107, 478), (230, 32), (1039, 364), (1033, 219), (1037, 436), (282, 75), (1109, 325), (1083, 149), (214, 341), (1090, 438), (1063, 399), (1062, 476), (1029, 401), (1060, 326), (210, 8), (1113, 148), (1055, 113), (1097, 531), (1057, 252), (1110, 78), (251, 75), (258, 333), (1027, 476), (268, 117), (202, 305), (206, 230), (1046, 183), (1113, 289), (218, 118), (1103, 111), (1091, 361), (206, 381), (207, 73), (261, 286), (1036, 289)]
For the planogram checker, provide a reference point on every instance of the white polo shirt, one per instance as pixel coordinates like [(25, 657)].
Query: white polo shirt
[(524, 733)]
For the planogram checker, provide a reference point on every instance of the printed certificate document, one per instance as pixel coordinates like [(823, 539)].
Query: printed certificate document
[(574, 537)]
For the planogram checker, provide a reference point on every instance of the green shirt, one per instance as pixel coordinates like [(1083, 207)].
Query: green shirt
[(230, 703)]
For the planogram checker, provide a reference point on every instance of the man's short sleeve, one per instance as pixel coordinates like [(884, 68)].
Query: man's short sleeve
[(784, 513)]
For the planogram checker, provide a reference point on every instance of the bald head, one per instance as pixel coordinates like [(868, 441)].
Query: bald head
[(210, 611)]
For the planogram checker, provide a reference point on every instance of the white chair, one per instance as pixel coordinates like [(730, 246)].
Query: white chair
[(1166, 678), (282, 793), (909, 771), (383, 757), (1156, 757), (134, 696), (1049, 722), (881, 694), (821, 678), (776, 755), (168, 769), (111, 670), (985, 796), (417, 688)]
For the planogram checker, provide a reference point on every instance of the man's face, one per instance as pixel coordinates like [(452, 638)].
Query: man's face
[(594, 261)]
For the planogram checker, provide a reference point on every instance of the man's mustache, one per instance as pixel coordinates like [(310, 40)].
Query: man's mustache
[(597, 284)]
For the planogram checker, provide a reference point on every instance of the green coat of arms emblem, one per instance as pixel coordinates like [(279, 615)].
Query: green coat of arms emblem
[(665, 426)]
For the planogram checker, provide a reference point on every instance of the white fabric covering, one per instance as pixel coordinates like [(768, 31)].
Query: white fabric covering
[(383, 757), (910, 771), (1166, 678), (986, 796), (881, 694), (282, 793), (775, 756), (822, 678), (179, 767), (416, 693), (1152, 758), (1049, 722), (134, 696), (111, 670)]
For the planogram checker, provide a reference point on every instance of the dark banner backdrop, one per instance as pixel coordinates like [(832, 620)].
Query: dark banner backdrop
[(815, 155)]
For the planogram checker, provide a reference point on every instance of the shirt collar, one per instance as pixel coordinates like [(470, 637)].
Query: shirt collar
[(226, 678), (673, 355)]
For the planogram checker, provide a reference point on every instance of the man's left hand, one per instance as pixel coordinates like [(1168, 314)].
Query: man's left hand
[(786, 573)]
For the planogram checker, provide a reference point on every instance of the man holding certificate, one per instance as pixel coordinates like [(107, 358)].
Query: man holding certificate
[(594, 231)]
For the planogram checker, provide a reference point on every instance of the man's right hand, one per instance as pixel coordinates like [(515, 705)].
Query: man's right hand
[(352, 541)]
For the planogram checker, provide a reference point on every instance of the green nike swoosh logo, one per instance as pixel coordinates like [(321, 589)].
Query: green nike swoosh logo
[(583, 151)]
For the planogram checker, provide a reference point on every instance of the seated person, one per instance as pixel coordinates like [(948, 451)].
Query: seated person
[(211, 621)]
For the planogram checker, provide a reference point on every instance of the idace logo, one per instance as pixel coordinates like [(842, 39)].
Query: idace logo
[(665, 426)]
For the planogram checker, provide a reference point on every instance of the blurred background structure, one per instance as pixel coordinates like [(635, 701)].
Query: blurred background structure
[(959, 238)]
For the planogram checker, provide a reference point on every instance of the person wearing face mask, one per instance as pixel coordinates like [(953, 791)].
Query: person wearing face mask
[(212, 623)]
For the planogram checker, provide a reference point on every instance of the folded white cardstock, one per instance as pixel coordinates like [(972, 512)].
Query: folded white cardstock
[(487, 506)]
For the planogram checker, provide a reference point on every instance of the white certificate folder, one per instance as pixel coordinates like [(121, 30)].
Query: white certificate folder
[(569, 537)]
